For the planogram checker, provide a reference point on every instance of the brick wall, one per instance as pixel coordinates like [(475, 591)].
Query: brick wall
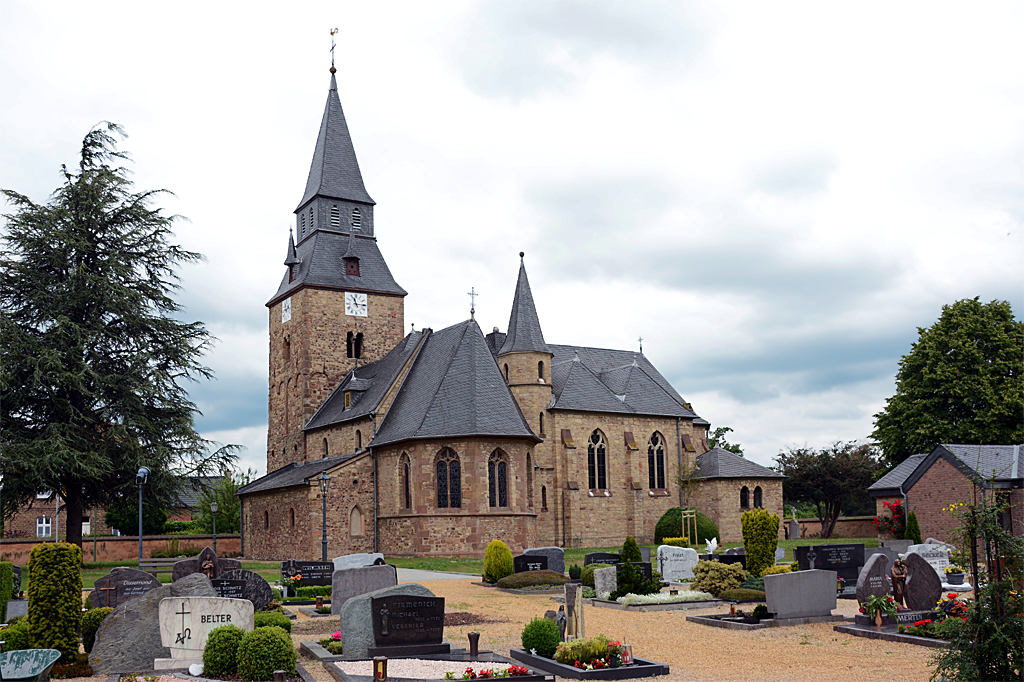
[(941, 485), (719, 500), (846, 527), (23, 523), (125, 548)]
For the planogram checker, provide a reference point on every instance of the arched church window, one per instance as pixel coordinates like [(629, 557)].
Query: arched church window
[(355, 522), (656, 462), (287, 349), (540, 420), (449, 480), (325, 448), (744, 498), (359, 440), (540, 369), (506, 372), (757, 498), (529, 480), (543, 498), (497, 479), (350, 345), (357, 218), (404, 484), (266, 519), (597, 463), (291, 516), (358, 346)]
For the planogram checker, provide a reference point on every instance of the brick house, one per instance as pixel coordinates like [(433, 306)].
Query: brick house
[(731, 485), (437, 442), (955, 473)]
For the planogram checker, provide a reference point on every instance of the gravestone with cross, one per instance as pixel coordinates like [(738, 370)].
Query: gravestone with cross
[(206, 563), (186, 622), (121, 585)]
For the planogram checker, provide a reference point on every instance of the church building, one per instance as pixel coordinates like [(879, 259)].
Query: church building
[(436, 442)]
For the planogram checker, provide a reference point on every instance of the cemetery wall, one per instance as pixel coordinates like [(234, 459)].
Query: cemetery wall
[(719, 500), (939, 486), (124, 548), (846, 527)]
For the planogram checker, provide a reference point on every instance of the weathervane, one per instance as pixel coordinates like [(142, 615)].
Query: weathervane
[(333, 32), (472, 302)]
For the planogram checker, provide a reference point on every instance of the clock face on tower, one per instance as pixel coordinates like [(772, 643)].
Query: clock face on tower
[(286, 310), (355, 304)]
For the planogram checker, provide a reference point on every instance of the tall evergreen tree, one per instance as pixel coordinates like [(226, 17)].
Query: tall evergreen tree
[(961, 382), (92, 359)]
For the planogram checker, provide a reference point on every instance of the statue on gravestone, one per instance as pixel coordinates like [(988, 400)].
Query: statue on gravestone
[(899, 582), (198, 565), (208, 568), (560, 619)]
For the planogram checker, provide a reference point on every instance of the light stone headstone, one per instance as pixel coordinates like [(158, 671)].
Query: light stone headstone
[(936, 555), (898, 546), (186, 622), (872, 581), (352, 582), (888, 552), (605, 580), (802, 594), (923, 586), (555, 555), (676, 563), (574, 611), (358, 560), (780, 553)]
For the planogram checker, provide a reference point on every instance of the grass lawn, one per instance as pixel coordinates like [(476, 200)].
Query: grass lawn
[(270, 570)]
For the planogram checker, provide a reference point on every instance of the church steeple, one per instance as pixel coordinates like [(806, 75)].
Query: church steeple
[(524, 332)]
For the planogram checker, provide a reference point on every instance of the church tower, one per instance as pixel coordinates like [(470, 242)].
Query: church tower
[(338, 305)]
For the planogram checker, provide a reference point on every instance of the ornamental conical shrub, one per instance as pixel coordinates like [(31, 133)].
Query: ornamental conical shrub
[(55, 597), (760, 538), (630, 551), (497, 561), (913, 530)]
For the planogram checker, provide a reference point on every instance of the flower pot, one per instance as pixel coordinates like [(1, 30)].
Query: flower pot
[(955, 578), (878, 618)]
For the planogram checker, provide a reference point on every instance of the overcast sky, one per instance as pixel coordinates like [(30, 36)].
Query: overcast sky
[(774, 196)]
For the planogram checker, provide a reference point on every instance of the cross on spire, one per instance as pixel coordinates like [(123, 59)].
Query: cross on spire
[(333, 32), (641, 339), (472, 302)]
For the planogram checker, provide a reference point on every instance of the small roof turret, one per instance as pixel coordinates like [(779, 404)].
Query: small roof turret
[(293, 257), (524, 332)]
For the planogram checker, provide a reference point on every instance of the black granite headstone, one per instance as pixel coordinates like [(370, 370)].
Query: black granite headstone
[(229, 589), (845, 560), (529, 562), (312, 572), (403, 620), (256, 588), (601, 558), (645, 568), (923, 585), (872, 581), (207, 562), (121, 585)]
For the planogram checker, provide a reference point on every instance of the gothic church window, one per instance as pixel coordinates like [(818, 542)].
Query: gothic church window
[(291, 516), (497, 479), (656, 462), (543, 498), (744, 498), (757, 497), (506, 372), (325, 449), (266, 519), (597, 463), (355, 522), (404, 484), (449, 481), (529, 480), (287, 349), (359, 440), (540, 370)]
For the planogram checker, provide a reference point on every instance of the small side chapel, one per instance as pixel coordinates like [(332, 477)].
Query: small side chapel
[(438, 441)]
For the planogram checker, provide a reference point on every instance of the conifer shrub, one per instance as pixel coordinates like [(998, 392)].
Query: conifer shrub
[(760, 539), (262, 619), (753, 582), (542, 634), (55, 598), (630, 551), (91, 621), (716, 577), (263, 651), (6, 587), (670, 525), (575, 572), (913, 530), (778, 568), (220, 655), (742, 594), (497, 561), (15, 635), (587, 574), (630, 580)]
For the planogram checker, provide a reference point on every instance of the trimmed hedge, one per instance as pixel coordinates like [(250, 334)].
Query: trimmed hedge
[(670, 525), (676, 542), (497, 561), (220, 655), (91, 621), (312, 592), (16, 635), (55, 598), (530, 578), (263, 651), (6, 587), (587, 574), (262, 619), (760, 539), (741, 594)]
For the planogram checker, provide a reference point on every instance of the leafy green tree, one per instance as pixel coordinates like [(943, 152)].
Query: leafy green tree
[(123, 514), (961, 382), (826, 477), (93, 360), (229, 507), (717, 440)]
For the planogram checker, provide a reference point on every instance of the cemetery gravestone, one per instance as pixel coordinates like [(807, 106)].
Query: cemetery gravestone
[(601, 558), (898, 546), (872, 581), (206, 563), (352, 582), (645, 568), (735, 550), (845, 560), (356, 622), (313, 573), (255, 588), (121, 585), (923, 586), (780, 554), (937, 557), (605, 580), (523, 563), (357, 561), (186, 622), (574, 611), (801, 595), (645, 554), (555, 555), (228, 589), (676, 563), (407, 625), (889, 553)]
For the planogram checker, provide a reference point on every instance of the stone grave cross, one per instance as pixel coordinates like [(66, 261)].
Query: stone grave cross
[(811, 556)]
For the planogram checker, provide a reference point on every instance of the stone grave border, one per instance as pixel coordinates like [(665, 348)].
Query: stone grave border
[(669, 606), (641, 668), (313, 614), (714, 621), (321, 654), (303, 673), (458, 657), (889, 634)]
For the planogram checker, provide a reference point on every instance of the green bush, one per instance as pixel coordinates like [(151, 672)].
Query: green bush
[(332, 645), (676, 542), (585, 650), (630, 551), (587, 574), (740, 594), (542, 634), (497, 561), (55, 598), (670, 525), (263, 619), (220, 655), (6, 587), (518, 581), (753, 582), (575, 571), (760, 612), (630, 580), (913, 530), (779, 568), (760, 539), (314, 591), (15, 635), (176, 527), (91, 621), (716, 577), (263, 651)]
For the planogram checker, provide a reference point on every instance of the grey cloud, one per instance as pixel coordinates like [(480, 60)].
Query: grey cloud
[(230, 403), (804, 176)]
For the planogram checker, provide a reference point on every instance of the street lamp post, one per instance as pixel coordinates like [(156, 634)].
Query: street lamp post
[(213, 508), (325, 483), (140, 480)]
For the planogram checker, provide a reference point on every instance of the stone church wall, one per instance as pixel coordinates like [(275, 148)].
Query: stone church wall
[(719, 500)]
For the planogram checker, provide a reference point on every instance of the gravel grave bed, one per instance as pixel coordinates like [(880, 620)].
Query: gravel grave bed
[(416, 668)]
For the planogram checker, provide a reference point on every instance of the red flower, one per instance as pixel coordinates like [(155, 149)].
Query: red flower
[(862, 610)]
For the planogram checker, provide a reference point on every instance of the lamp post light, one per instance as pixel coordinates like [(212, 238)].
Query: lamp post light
[(325, 483), (213, 508), (140, 480)]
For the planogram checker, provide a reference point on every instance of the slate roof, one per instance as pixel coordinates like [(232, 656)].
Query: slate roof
[(334, 171), (524, 332), (292, 475), (991, 461), (454, 389), (193, 489), (719, 463), (619, 381), (322, 263), (890, 483)]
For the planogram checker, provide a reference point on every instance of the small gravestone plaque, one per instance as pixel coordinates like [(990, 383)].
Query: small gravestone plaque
[(601, 558), (312, 572), (207, 563), (872, 581), (229, 589), (923, 586), (529, 562), (121, 585), (402, 620), (256, 589), (845, 560)]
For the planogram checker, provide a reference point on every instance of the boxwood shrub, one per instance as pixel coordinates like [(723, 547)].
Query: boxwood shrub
[(542, 634), (760, 538), (670, 525), (530, 578), (220, 655), (91, 621), (264, 619), (263, 651), (497, 561), (312, 592), (16, 635), (55, 598), (716, 577)]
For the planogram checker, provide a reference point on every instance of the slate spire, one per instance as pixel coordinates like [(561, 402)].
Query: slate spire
[(293, 257), (334, 172), (524, 332)]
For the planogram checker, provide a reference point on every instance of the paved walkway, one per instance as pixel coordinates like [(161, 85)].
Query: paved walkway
[(413, 575)]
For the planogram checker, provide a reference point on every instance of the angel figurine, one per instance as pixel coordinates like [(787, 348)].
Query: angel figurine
[(712, 545)]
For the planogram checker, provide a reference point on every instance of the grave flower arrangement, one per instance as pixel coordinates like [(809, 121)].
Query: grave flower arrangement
[(489, 673), (292, 582), (875, 604), (592, 653), (951, 607)]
